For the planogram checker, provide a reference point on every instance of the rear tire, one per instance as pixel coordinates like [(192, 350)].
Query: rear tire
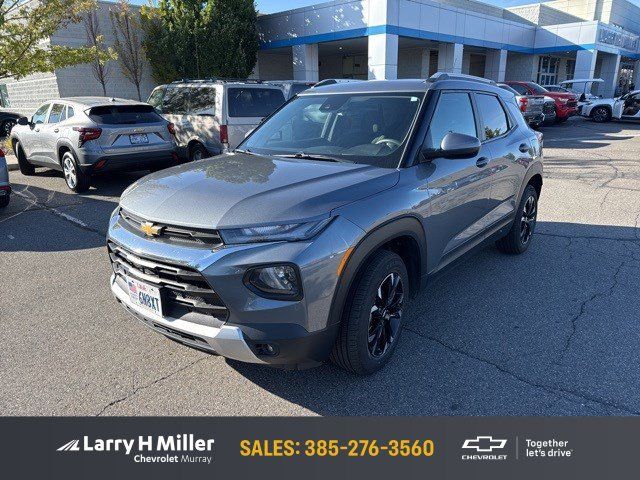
[(601, 115), (372, 319), (25, 167), (4, 201), (76, 179), (519, 237), (197, 152)]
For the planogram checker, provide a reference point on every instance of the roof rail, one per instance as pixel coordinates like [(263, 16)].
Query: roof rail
[(440, 76), (217, 79)]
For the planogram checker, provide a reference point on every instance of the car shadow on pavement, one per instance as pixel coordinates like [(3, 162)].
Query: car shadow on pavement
[(42, 220), (550, 332), (581, 133)]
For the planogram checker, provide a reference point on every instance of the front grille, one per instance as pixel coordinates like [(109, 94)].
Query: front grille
[(185, 292), (172, 233)]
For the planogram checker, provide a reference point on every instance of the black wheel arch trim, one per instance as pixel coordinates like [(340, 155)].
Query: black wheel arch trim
[(407, 225), (66, 144), (535, 169)]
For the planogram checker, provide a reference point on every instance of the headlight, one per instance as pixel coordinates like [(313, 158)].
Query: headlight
[(280, 282), (291, 232)]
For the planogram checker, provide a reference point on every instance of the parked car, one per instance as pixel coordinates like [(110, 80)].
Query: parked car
[(531, 106), (626, 107), (291, 88), (311, 238), (213, 116), (582, 88), (5, 187), (556, 88), (7, 121), (566, 103), (84, 136)]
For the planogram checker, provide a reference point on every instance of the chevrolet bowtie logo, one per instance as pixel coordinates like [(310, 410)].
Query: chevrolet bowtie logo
[(484, 444), (150, 230)]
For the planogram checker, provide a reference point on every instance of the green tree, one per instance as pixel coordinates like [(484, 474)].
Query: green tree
[(195, 38), (25, 28), (125, 25)]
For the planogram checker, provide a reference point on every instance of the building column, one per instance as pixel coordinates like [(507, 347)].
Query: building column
[(425, 63), (383, 57), (305, 63), (450, 57), (636, 75), (585, 64), (495, 65), (609, 73)]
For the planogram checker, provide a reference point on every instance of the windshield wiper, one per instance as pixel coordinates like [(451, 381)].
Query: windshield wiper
[(247, 152), (313, 156)]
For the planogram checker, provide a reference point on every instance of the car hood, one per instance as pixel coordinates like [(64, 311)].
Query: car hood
[(243, 190), (601, 101)]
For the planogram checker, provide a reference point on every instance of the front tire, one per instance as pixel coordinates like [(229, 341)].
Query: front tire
[(76, 179), (373, 315), (4, 201), (25, 167), (601, 114), (519, 237)]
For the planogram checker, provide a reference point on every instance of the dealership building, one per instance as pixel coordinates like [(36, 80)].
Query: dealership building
[(387, 39)]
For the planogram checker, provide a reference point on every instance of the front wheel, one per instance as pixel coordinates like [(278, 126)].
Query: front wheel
[(601, 114), (519, 237), (373, 315), (76, 179)]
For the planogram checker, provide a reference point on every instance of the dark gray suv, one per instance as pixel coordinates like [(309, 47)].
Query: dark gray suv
[(310, 239)]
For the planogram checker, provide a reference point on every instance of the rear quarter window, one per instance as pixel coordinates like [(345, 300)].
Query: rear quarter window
[(124, 114), (254, 102)]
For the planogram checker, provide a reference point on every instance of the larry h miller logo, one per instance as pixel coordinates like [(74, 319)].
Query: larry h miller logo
[(485, 447), (180, 448)]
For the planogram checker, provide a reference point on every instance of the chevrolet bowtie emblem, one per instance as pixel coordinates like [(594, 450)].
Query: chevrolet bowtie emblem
[(150, 230)]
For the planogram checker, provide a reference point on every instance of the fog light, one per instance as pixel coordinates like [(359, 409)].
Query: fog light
[(275, 281)]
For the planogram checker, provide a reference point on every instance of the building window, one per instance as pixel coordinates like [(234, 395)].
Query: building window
[(4, 97), (548, 70), (570, 69)]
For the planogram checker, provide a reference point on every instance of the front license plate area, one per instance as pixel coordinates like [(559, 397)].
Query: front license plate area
[(145, 295), (138, 138)]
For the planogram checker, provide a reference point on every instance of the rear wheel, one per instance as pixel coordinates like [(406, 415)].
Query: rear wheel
[(601, 114), (519, 237), (76, 179), (25, 167), (197, 152), (373, 315), (4, 201)]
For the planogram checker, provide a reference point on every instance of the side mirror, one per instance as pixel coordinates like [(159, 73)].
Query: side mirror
[(454, 145), (23, 121)]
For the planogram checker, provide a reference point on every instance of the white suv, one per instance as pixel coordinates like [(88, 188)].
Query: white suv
[(212, 116)]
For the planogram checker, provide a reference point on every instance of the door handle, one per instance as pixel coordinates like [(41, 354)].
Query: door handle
[(524, 148), (482, 162)]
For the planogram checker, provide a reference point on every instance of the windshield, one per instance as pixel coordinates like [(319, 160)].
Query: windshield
[(360, 128), (537, 89)]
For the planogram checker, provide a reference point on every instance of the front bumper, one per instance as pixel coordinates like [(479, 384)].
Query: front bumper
[(298, 331)]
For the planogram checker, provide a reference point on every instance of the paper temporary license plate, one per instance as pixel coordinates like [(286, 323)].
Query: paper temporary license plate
[(138, 138), (145, 295)]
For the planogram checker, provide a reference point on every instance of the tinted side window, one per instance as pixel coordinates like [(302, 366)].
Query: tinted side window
[(40, 114), (176, 100), (254, 102), (454, 113), (70, 112), (494, 118), (56, 113), (203, 99), (520, 89)]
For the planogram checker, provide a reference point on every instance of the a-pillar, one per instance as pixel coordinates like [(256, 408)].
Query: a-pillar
[(383, 56), (305, 63), (450, 57), (495, 65)]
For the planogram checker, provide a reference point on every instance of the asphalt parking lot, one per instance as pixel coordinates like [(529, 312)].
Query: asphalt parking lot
[(551, 332)]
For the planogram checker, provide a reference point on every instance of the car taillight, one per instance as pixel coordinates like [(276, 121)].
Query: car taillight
[(87, 133), (523, 104), (224, 136), (1, 153), (172, 128)]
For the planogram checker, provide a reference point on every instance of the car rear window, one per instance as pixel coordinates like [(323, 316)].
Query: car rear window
[(254, 102), (124, 114)]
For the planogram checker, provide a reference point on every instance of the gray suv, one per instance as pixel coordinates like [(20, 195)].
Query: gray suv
[(309, 241), (84, 136)]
